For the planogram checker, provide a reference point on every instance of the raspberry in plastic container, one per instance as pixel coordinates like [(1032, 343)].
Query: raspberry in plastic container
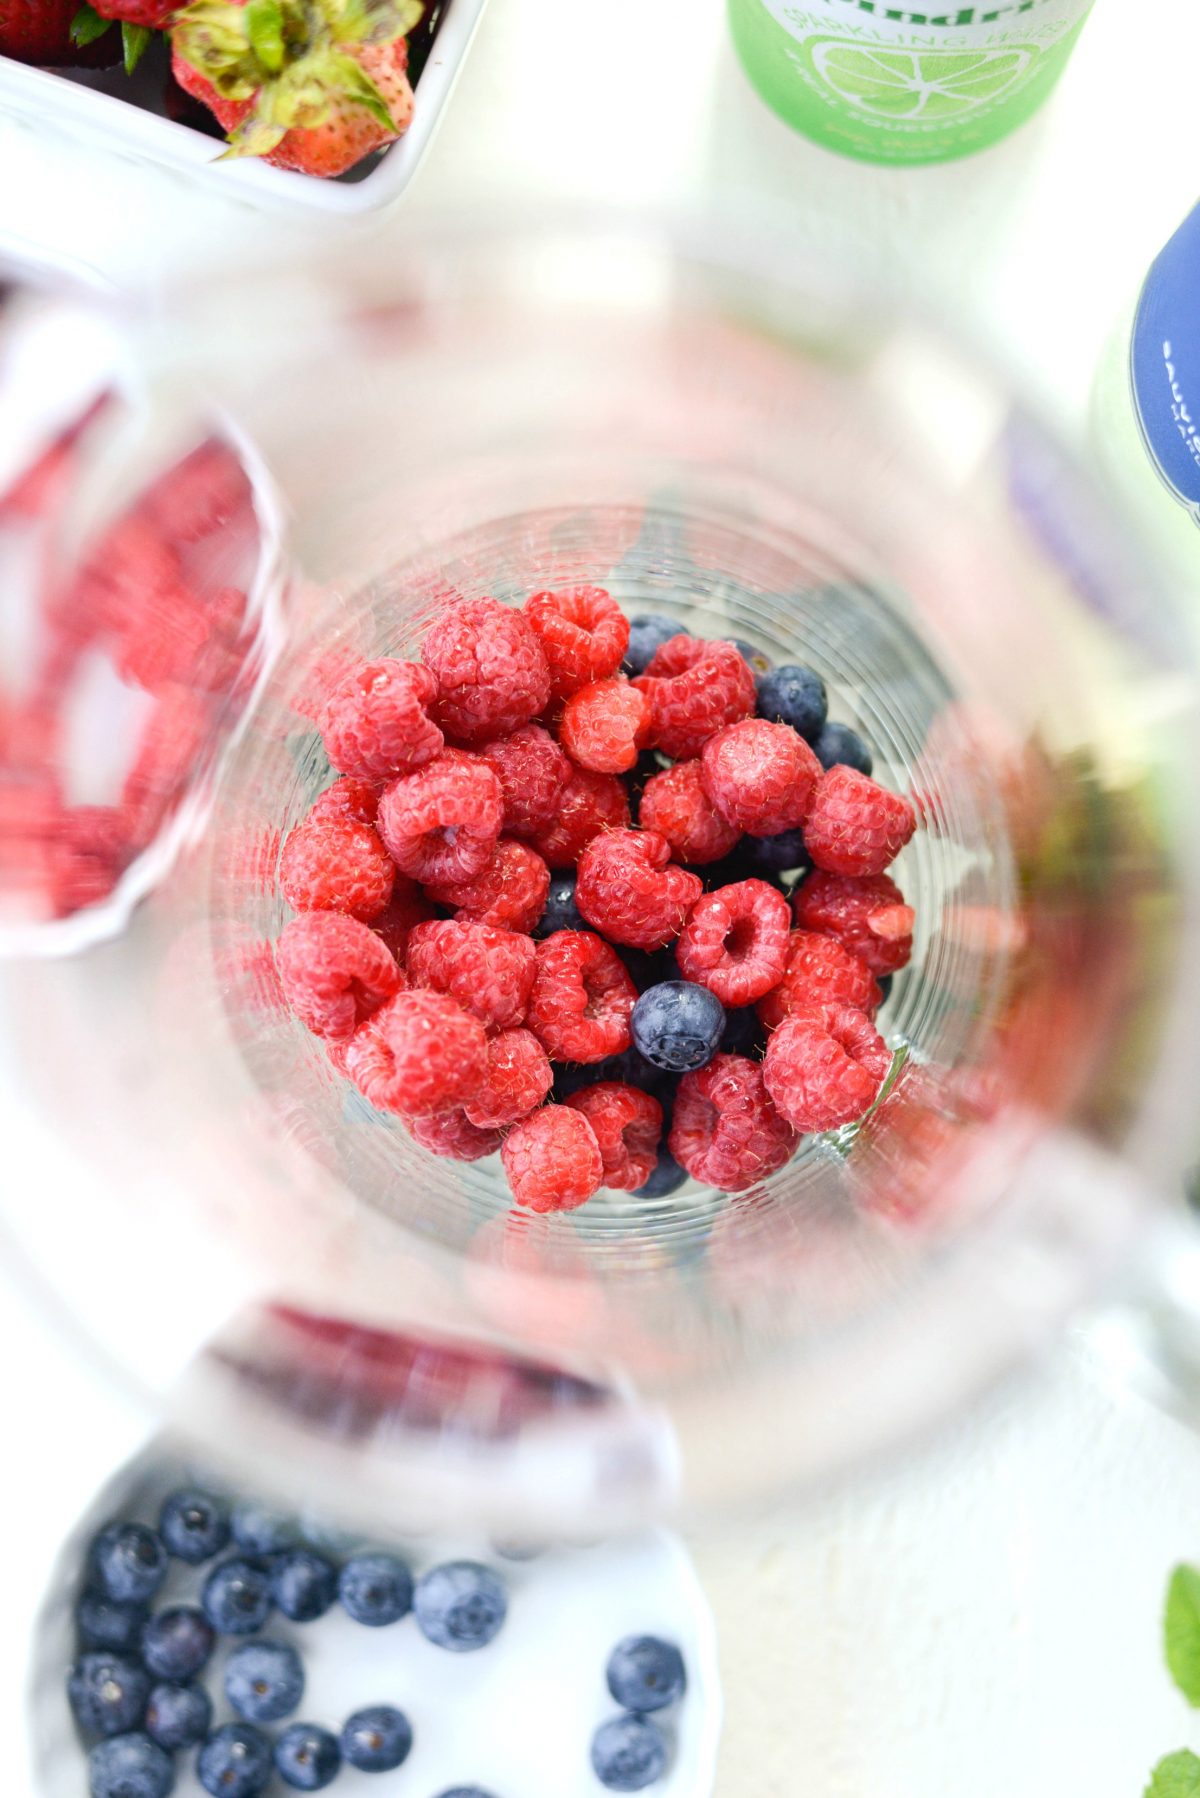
[(334, 971), (510, 893), (736, 941), (630, 890), (628, 1126), (376, 721), (441, 824), (583, 632), (695, 688), (518, 1079), (759, 775), (868, 915), (349, 797), (604, 725), (588, 804), (488, 971), (582, 998), (336, 866), (725, 1129), (406, 908), (532, 771), (89, 852), (552, 1160), (492, 674), (820, 971), (420, 1054), (855, 826), (453, 1135), (825, 1067), (172, 739), (675, 804), (205, 492)]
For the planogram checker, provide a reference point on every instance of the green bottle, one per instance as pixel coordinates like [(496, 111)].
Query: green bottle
[(905, 83)]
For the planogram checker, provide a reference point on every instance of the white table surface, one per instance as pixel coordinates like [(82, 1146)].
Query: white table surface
[(983, 1619)]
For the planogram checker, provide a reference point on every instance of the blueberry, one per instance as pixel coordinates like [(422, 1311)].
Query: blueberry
[(460, 1606), (130, 1766), (303, 1584), (103, 1623), (130, 1562), (237, 1598), (176, 1644), (643, 770), (465, 1792), (327, 1537), (376, 1739), (107, 1693), (793, 695), (650, 967), (517, 1548), (884, 983), (743, 1034), (178, 1716), (677, 1025), (763, 856), (645, 1673), (194, 1525), (257, 1530), (376, 1589), (666, 1178), (756, 658), (264, 1681), (838, 744), (628, 1754), (647, 633), (307, 1757), (235, 1761), (560, 911)]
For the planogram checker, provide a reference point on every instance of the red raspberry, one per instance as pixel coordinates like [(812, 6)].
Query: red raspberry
[(488, 971), (725, 1130), (128, 572), (582, 997), (172, 738), (735, 941), (552, 1160), (492, 675), (603, 726), (332, 866), (694, 689), (376, 720), (855, 826), (452, 1134), (759, 775), (165, 640), (583, 632), (869, 916), (335, 973), (348, 797), (628, 1125), (820, 971), (532, 771), (407, 907), (203, 493), (442, 823), (588, 804), (88, 853), (825, 1067), (421, 1054), (518, 1078), (630, 889), (510, 893), (675, 804)]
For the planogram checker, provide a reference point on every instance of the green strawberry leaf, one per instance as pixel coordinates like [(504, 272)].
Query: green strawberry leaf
[(264, 27), (87, 26), (373, 21), (1181, 1631), (1177, 1776), (134, 39), (356, 87)]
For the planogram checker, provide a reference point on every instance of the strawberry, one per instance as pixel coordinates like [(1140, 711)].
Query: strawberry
[(152, 15), (39, 31), (311, 85)]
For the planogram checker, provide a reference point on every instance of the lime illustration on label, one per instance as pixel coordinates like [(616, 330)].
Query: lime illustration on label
[(917, 84)]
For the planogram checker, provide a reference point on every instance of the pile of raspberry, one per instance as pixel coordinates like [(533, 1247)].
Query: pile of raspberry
[(599, 895)]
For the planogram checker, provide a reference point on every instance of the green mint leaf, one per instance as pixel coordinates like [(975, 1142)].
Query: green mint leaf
[(87, 26), (1178, 1776), (134, 39), (1181, 1631)]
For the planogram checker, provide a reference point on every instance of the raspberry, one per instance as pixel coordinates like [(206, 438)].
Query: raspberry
[(348, 797), (518, 1078), (588, 804), (603, 726), (552, 1160), (335, 973), (820, 971), (869, 916), (421, 1054), (171, 742), (759, 775), (825, 1067), (452, 1134), (694, 689), (532, 771), (510, 893), (376, 721), (129, 572), (855, 826), (88, 854), (583, 633), (442, 823), (164, 642), (725, 1130), (628, 1126), (492, 675), (336, 866), (735, 941), (488, 971), (208, 489), (629, 888), (406, 907), (675, 804), (581, 999)]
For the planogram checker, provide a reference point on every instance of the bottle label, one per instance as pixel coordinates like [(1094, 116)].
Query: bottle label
[(1165, 362)]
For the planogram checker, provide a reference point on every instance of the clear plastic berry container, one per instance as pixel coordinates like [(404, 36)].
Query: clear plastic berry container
[(762, 449)]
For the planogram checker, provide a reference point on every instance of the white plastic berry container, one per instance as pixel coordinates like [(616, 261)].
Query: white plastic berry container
[(63, 105)]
